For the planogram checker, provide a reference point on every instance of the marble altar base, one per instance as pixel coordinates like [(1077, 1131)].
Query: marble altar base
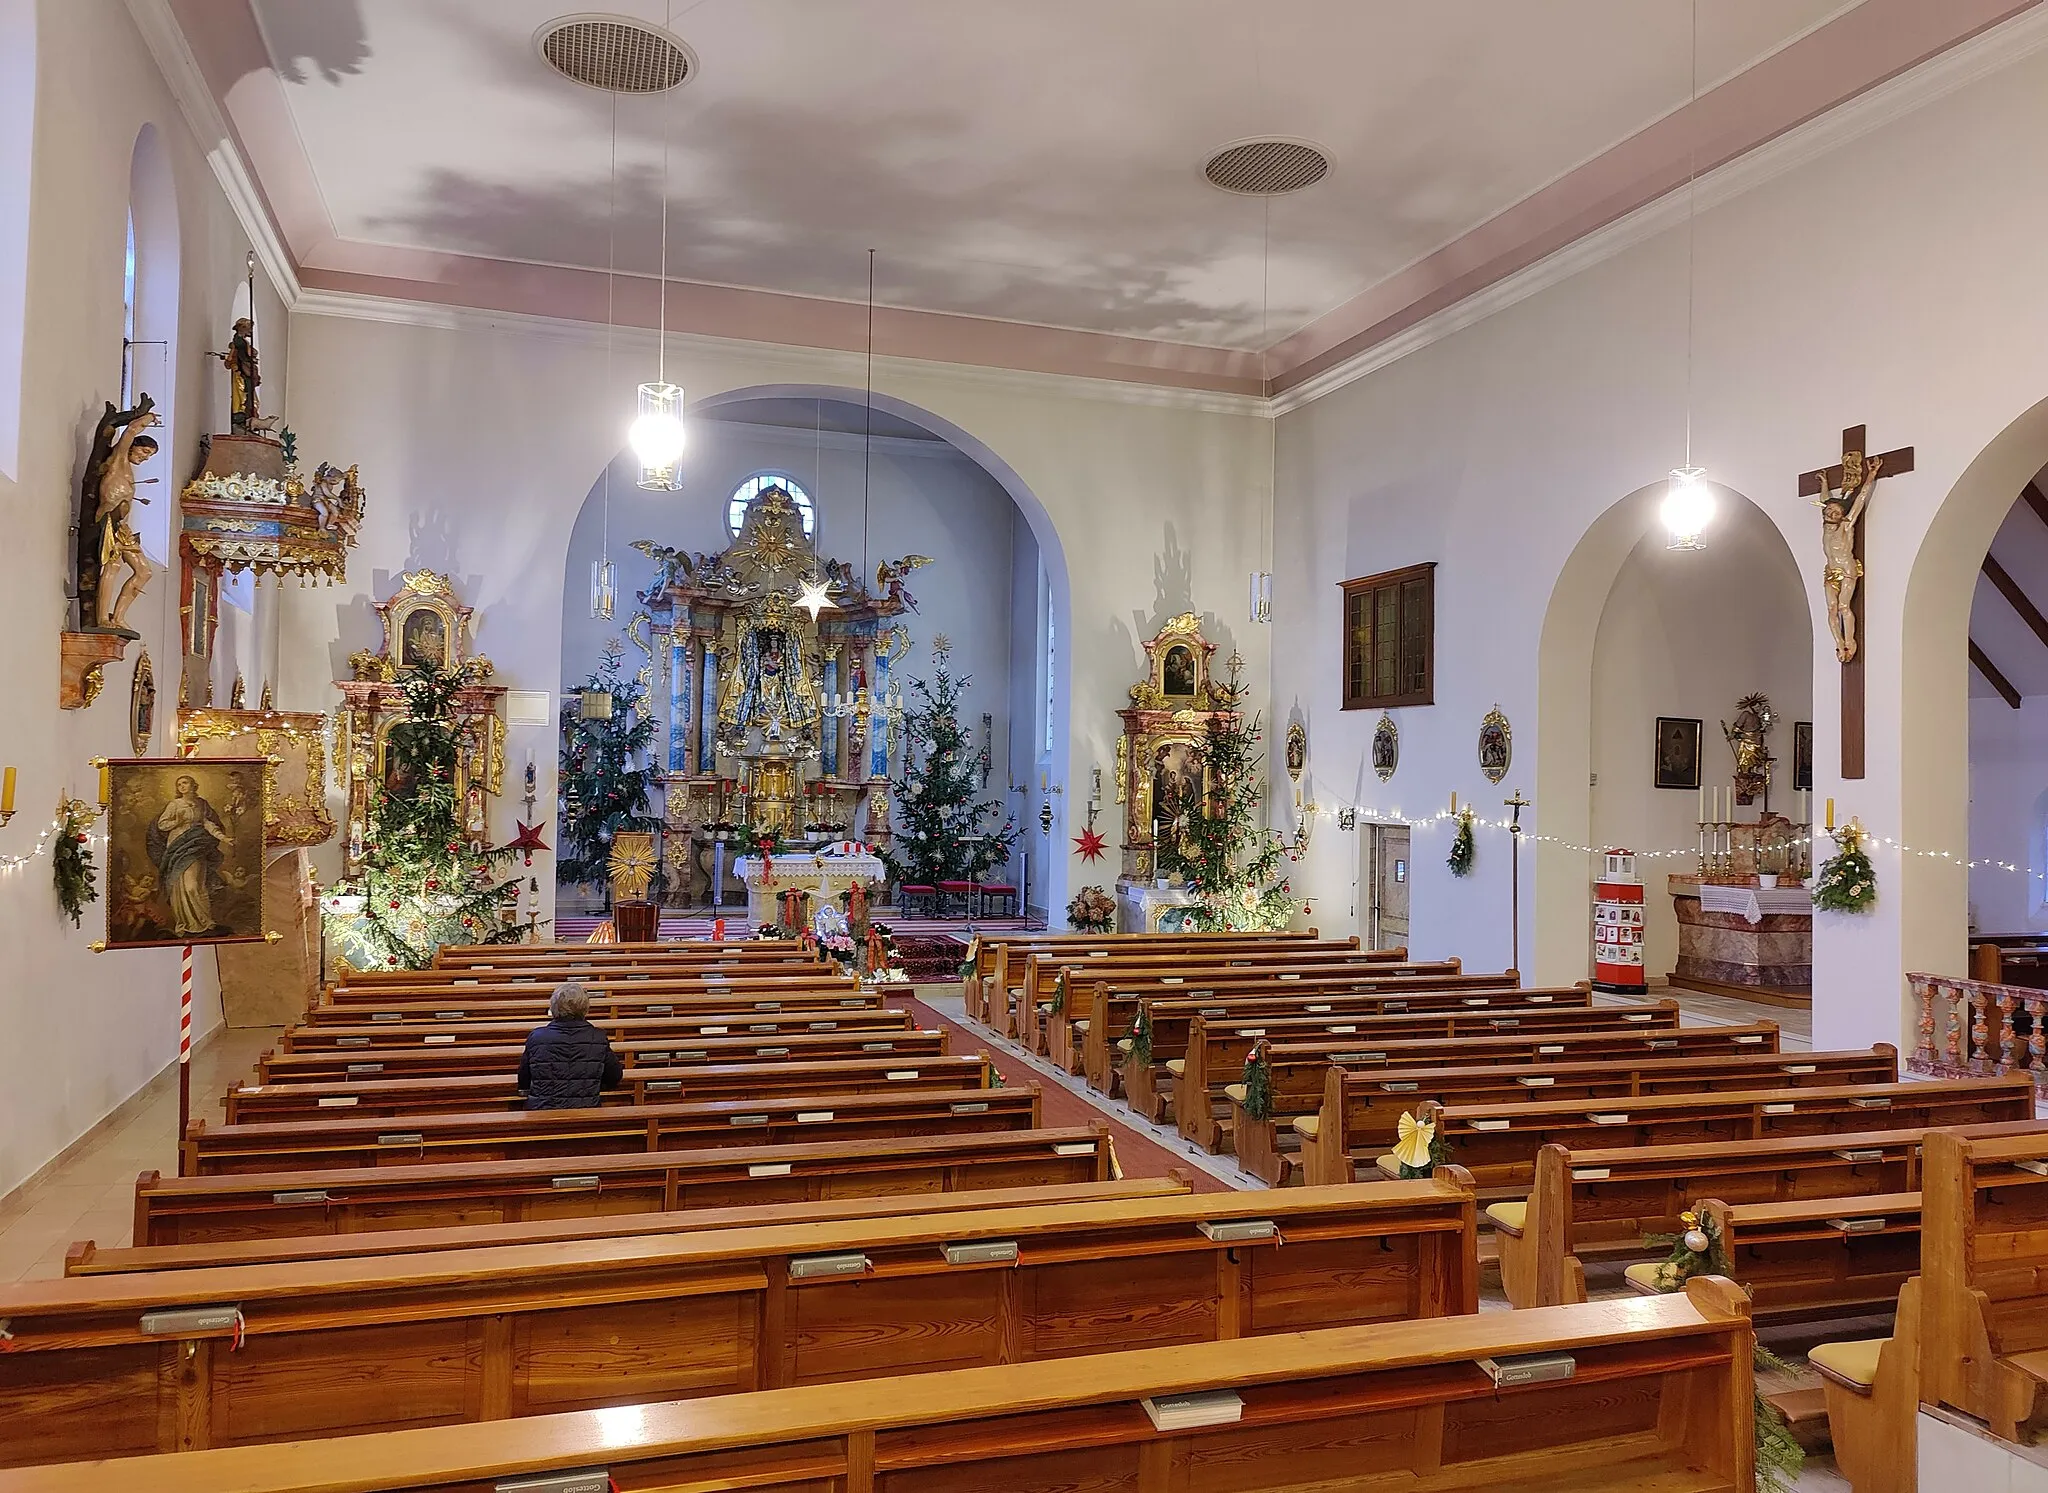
[(1140, 905), (1723, 953)]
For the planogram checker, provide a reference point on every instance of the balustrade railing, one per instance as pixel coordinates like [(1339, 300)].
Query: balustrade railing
[(1972, 1027)]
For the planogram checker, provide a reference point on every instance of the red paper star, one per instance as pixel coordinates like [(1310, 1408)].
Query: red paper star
[(1090, 844), (528, 839)]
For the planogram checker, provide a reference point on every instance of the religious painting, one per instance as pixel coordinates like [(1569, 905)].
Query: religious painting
[(185, 851), (1386, 747), (142, 706), (1678, 752), (1178, 681), (1496, 745), (1802, 755), (423, 640), (1176, 789)]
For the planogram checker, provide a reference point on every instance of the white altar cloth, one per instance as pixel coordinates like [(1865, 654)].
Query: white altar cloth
[(1755, 903), (822, 875)]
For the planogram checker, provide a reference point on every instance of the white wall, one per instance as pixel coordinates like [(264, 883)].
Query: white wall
[(922, 497), (2009, 815), (1501, 448), (1688, 633), (478, 438), (84, 1031)]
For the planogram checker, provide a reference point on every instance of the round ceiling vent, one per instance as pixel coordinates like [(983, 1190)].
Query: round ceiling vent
[(1266, 167), (615, 53)]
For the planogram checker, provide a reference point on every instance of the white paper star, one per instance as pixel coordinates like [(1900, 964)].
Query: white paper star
[(815, 597)]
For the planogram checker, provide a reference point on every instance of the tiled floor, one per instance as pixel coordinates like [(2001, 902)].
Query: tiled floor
[(92, 1194)]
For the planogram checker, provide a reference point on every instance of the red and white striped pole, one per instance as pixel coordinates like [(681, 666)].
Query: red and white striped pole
[(184, 1052)]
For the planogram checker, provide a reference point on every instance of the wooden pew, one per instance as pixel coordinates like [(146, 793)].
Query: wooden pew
[(1873, 1398), (1163, 1019), (436, 1194), (606, 1005), (877, 1073), (87, 1257), (371, 984), (459, 1031), (1606, 1199), (1984, 1277), (1084, 1024), (1819, 1257), (1498, 1143), (341, 1065), (489, 955), (109, 1365), (521, 997), (1658, 1402), (1362, 1107), (1295, 1071), (1217, 1050), (347, 1141), (1043, 997), (999, 959)]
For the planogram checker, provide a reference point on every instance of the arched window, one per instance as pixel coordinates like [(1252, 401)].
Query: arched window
[(149, 299), (128, 317), (743, 497), (17, 162)]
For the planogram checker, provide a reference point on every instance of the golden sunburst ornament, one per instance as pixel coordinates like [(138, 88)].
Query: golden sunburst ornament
[(815, 597), (632, 864)]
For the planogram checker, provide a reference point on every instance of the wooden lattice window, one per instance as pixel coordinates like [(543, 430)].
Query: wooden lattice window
[(1390, 639)]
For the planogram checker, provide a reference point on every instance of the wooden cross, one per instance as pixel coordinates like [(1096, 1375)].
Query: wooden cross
[(1813, 485)]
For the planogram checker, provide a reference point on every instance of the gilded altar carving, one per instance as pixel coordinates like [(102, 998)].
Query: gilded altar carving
[(295, 811), (1159, 779)]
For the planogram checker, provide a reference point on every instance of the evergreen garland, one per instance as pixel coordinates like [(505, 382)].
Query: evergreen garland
[(1462, 846), (936, 811), (71, 856), (1226, 858), (1258, 1084), (422, 883), (1847, 882), (1141, 1037), (603, 790)]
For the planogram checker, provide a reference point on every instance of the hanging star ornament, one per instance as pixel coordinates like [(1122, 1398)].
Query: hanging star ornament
[(528, 839), (815, 598), (1090, 845)]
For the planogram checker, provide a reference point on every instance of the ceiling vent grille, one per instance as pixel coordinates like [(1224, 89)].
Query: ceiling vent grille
[(1266, 168), (615, 53)]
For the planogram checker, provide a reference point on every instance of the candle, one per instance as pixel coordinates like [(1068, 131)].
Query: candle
[(7, 791), (1703, 806), (106, 785), (1454, 800), (1831, 814)]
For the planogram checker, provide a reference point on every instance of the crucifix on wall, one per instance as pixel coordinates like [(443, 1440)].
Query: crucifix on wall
[(1841, 492)]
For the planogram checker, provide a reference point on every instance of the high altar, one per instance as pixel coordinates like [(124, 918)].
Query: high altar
[(1736, 935), (774, 664), (1158, 772)]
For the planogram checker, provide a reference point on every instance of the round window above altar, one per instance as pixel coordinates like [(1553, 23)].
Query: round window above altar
[(743, 497)]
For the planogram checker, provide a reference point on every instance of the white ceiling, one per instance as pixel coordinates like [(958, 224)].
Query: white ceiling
[(2021, 546), (1029, 160)]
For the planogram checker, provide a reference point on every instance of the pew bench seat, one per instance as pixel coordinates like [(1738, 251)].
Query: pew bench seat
[(1851, 1365)]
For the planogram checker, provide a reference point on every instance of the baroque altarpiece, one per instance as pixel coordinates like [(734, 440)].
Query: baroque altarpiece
[(1158, 762), (771, 713)]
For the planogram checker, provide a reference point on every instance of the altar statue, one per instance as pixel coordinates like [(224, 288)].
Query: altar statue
[(1839, 513), (244, 375), (767, 689), (110, 484)]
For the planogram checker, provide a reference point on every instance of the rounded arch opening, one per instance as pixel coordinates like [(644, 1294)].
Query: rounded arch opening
[(996, 586), (1635, 632)]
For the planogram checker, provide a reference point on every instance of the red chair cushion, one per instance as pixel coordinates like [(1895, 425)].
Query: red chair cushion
[(956, 886), (916, 889), (997, 889)]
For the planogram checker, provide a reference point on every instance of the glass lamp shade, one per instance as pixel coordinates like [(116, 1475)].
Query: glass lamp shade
[(604, 589), (658, 437), (1687, 509)]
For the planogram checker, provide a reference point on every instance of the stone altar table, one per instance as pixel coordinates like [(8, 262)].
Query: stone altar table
[(822, 876), (1744, 940)]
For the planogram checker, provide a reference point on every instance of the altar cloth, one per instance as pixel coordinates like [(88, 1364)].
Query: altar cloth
[(1755, 903)]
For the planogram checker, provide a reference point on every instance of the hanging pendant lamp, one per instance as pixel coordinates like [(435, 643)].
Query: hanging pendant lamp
[(1688, 505), (658, 435)]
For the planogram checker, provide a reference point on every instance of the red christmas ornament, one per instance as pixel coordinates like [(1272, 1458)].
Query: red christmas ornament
[(394, 904), (528, 839), (1090, 845)]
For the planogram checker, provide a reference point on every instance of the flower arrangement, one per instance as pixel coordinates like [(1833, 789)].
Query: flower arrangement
[(1846, 881), (1093, 910), (1462, 845)]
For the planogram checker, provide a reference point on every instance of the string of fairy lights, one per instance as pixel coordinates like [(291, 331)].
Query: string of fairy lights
[(44, 838)]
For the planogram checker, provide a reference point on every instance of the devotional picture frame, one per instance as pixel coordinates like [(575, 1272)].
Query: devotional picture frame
[(1675, 752), (185, 851), (1496, 745), (1802, 756)]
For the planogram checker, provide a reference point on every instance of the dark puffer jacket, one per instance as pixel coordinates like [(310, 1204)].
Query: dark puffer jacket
[(566, 1064)]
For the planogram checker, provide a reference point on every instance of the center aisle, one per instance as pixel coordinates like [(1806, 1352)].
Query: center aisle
[(1138, 1147)]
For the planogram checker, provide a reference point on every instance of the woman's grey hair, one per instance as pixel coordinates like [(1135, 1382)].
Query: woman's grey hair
[(569, 999)]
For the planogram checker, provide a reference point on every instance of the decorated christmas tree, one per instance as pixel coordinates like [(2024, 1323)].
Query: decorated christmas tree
[(938, 817), (604, 785), (1226, 857), (422, 882)]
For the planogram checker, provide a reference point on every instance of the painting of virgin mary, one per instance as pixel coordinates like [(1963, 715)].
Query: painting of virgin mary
[(185, 851)]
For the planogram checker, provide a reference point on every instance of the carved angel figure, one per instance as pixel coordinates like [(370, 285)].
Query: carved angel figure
[(889, 578), (670, 566), (336, 500)]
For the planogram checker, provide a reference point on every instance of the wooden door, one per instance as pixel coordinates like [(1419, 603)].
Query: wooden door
[(1387, 870)]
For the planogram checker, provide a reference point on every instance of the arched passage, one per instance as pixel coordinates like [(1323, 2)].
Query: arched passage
[(1635, 632), (812, 436)]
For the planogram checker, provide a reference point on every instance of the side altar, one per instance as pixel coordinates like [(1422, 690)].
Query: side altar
[(768, 675)]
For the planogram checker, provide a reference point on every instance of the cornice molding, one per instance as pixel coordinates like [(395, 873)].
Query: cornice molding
[(812, 363), (174, 59), (1980, 57)]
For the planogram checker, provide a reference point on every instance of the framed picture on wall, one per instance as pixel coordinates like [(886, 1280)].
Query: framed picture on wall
[(1802, 755), (1678, 752)]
